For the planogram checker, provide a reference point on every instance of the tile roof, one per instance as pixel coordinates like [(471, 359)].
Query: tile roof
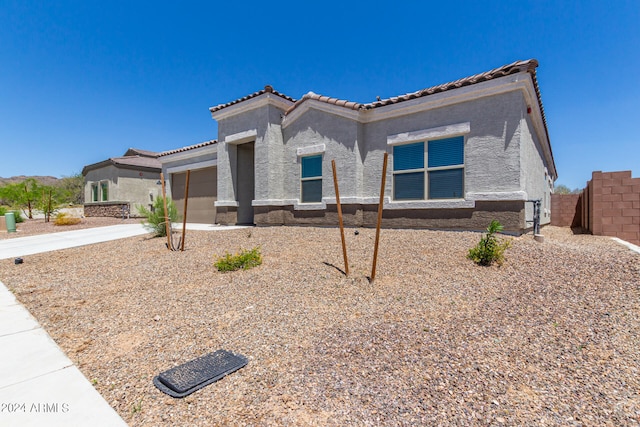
[(513, 68), (128, 162), (333, 101), (137, 161), (137, 151), (267, 89), (528, 66), (190, 147)]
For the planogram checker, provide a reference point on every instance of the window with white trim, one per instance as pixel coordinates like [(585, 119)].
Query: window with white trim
[(429, 170), (311, 179)]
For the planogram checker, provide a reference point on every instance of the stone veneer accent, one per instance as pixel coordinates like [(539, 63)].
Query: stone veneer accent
[(108, 209)]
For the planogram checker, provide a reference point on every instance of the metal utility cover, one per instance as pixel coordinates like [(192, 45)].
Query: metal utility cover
[(183, 380)]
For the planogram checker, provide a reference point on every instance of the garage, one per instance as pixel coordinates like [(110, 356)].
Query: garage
[(203, 187)]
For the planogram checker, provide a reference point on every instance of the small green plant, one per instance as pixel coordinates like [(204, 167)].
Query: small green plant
[(136, 407), (16, 214), (489, 249), (18, 217), (245, 260), (64, 219), (155, 222)]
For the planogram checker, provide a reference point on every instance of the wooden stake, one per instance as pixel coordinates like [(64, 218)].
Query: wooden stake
[(380, 206), (49, 207), (344, 243), (184, 220), (44, 207), (166, 214)]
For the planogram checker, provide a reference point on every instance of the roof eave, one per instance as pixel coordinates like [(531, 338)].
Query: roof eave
[(268, 90)]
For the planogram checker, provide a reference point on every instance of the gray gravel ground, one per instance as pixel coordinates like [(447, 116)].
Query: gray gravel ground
[(549, 338)]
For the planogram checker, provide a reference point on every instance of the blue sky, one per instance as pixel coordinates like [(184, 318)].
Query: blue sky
[(82, 81)]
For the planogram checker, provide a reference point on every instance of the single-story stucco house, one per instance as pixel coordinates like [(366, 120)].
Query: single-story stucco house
[(201, 159), (119, 185), (460, 155)]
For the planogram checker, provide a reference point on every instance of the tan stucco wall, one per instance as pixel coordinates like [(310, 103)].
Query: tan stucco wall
[(133, 186)]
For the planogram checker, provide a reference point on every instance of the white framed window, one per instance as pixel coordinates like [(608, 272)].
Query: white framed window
[(311, 179), (429, 170)]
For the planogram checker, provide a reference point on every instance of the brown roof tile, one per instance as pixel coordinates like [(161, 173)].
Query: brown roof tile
[(137, 161), (190, 147), (127, 162), (333, 101), (513, 68), (267, 89), (137, 151), (528, 66)]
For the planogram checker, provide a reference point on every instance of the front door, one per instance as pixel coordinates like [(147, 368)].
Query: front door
[(246, 183)]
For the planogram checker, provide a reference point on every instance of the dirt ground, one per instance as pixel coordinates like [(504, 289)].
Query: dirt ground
[(548, 338)]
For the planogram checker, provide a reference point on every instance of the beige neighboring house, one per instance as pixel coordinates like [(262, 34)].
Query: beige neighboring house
[(118, 186)]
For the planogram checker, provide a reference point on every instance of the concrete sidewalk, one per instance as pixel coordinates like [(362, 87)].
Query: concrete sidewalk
[(29, 245), (21, 246), (39, 385)]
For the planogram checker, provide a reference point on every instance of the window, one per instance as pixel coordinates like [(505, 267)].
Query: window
[(104, 189), (443, 176), (311, 179), (94, 192)]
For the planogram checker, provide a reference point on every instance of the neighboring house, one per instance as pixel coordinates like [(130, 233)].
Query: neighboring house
[(460, 154), (119, 185), (201, 159)]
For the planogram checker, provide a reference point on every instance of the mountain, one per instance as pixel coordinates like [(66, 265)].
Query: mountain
[(45, 180)]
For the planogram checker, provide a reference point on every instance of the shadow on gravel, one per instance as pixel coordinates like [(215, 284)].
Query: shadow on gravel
[(337, 268)]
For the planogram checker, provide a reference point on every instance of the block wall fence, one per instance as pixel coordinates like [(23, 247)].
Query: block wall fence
[(608, 206)]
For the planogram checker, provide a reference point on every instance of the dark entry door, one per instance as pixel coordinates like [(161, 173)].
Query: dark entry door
[(246, 183)]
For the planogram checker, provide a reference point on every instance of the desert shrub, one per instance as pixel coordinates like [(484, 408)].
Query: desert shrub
[(64, 219), (155, 220), (489, 249), (18, 216), (245, 260)]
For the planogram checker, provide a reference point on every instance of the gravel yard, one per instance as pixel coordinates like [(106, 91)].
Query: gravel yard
[(549, 338)]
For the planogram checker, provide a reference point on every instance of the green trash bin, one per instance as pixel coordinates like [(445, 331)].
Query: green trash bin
[(10, 219)]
